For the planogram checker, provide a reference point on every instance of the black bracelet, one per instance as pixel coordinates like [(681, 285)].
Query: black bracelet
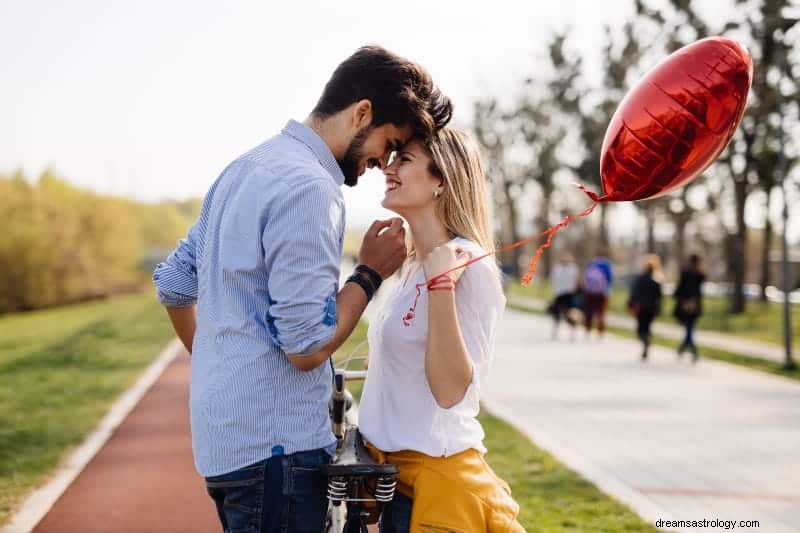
[(374, 277), (362, 282)]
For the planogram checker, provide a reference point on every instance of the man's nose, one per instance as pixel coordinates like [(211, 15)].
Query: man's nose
[(388, 168)]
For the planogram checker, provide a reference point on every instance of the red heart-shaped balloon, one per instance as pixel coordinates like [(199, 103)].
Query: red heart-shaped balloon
[(675, 122)]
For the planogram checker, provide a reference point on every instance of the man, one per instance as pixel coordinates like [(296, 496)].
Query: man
[(261, 264)]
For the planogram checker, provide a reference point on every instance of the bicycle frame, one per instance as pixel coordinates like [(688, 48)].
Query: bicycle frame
[(347, 483)]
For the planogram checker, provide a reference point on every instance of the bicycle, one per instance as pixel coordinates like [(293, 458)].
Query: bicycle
[(354, 478)]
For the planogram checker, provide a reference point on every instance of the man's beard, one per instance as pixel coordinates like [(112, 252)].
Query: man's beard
[(352, 157)]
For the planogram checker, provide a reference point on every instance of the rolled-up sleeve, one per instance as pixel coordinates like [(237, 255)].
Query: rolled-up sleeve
[(302, 250), (176, 277)]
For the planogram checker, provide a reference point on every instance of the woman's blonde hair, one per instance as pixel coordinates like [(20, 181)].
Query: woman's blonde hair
[(464, 202), (651, 263)]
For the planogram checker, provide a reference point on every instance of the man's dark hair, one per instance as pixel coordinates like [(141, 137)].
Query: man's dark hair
[(401, 91)]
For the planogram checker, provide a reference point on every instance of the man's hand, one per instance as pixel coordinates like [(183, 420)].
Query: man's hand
[(384, 251)]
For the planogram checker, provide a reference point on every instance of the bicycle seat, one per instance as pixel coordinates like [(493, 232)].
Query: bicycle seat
[(353, 459)]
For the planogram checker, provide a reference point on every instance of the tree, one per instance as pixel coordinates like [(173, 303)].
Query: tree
[(493, 133)]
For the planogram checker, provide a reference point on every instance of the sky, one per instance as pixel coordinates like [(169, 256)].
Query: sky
[(152, 99)]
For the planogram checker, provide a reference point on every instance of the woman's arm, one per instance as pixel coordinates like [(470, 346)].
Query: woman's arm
[(448, 366)]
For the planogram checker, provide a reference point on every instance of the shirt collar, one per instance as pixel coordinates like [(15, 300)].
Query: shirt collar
[(310, 138)]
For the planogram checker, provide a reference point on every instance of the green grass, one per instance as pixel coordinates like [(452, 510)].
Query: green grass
[(762, 321), (552, 497), (761, 365), (60, 370), (754, 363)]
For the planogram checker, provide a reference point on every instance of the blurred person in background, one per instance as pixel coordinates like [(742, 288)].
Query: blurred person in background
[(644, 301), (689, 302), (597, 280), (564, 281)]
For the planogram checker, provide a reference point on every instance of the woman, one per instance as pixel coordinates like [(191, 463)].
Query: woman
[(645, 299), (689, 302), (431, 347)]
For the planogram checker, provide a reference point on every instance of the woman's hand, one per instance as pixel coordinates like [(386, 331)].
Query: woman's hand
[(444, 258)]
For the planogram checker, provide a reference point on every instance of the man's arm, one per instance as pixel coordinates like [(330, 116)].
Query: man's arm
[(382, 252), (350, 304), (184, 322), (176, 278)]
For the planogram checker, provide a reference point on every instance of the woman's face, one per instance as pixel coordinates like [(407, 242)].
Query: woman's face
[(409, 184)]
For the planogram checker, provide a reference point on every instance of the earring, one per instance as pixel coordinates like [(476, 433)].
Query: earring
[(436, 194)]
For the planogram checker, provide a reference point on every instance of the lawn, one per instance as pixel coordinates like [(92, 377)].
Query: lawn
[(60, 371)]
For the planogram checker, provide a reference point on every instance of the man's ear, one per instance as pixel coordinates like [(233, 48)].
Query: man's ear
[(362, 114)]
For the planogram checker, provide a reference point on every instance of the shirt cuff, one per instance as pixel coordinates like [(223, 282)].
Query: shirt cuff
[(173, 299), (307, 344)]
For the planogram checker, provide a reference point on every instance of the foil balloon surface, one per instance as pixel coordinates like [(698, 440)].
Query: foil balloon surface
[(675, 122)]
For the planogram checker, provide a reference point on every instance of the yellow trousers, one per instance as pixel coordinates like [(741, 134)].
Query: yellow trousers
[(456, 494)]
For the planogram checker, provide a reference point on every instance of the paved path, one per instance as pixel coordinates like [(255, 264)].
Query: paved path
[(713, 339), (671, 439), (143, 479)]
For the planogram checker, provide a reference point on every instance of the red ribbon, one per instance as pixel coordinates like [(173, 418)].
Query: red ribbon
[(550, 232)]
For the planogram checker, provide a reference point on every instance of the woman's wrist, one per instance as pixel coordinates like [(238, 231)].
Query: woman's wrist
[(441, 283)]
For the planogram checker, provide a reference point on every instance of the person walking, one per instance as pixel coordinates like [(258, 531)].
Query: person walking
[(689, 303), (564, 281), (645, 299)]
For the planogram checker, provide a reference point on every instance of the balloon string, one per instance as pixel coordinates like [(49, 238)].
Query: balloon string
[(550, 232)]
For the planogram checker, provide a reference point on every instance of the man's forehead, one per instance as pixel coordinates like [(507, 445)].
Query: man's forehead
[(400, 133)]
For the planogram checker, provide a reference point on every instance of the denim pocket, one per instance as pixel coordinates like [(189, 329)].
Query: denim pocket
[(238, 497), (306, 488)]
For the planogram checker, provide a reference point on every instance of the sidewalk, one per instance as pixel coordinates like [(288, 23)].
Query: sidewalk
[(712, 339), (671, 439)]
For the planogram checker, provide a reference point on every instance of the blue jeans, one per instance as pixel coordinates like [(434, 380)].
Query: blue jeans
[(397, 517), (282, 494), (688, 340)]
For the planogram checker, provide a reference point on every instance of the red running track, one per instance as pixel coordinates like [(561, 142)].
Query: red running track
[(143, 479)]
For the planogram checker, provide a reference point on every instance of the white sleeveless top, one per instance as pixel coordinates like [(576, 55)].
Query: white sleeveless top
[(398, 410)]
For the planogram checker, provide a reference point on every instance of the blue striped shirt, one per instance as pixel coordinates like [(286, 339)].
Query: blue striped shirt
[(262, 264)]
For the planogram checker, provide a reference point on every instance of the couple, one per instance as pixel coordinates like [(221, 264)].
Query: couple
[(253, 293)]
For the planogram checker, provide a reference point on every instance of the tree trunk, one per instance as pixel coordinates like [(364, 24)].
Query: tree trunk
[(650, 219), (736, 259), (767, 245), (604, 242), (513, 217), (547, 257), (680, 238)]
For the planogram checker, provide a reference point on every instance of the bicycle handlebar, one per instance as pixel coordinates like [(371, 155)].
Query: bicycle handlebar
[(350, 375)]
